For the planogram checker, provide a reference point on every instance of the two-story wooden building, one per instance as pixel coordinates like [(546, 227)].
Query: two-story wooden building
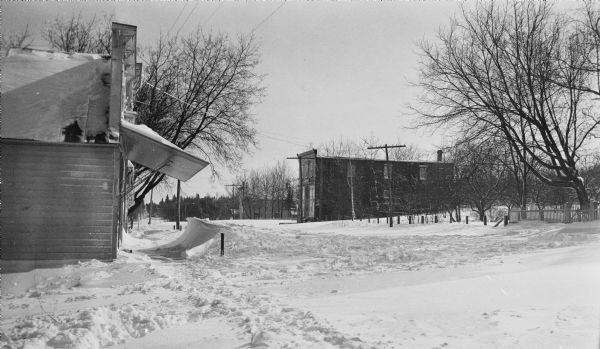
[(334, 188)]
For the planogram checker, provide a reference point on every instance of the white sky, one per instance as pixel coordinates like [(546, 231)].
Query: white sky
[(333, 69)]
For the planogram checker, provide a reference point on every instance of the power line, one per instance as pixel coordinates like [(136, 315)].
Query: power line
[(213, 13), (286, 136), (177, 19), (281, 140), (267, 18), (188, 17)]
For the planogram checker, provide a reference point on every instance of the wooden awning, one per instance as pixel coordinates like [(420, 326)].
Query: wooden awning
[(148, 148)]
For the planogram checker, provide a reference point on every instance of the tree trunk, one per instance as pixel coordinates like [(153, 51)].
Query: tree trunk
[(582, 195)]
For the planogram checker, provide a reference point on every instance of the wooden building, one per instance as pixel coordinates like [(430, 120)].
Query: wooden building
[(66, 151), (333, 188)]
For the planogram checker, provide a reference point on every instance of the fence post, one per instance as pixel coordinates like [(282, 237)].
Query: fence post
[(222, 244), (422, 219), (377, 219), (409, 219), (505, 220), (435, 219), (567, 214), (484, 220), (398, 220), (466, 219)]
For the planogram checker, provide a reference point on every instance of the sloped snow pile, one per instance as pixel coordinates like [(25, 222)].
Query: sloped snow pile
[(195, 240), (557, 238)]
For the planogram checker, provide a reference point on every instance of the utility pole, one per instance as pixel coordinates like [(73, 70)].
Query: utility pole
[(178, 218), (150, 213), (233, 188), (241, 195), (389, 175)]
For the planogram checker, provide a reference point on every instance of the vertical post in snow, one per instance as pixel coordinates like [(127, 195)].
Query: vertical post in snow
[(389, 173), (300, 193), (150, 213), (233, 205), (389, 170), (240, 194), (178, 218), (505, 220), (484, 220), (222, 244), (467, 220)]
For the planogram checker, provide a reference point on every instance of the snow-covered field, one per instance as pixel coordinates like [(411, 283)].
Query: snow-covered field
[(323, 285)]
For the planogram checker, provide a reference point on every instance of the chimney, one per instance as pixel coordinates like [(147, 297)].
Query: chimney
[(439, 154), (123, 56)]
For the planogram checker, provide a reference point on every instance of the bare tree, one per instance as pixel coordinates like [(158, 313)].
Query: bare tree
[(482, 170), (198, 92), (514, 68), (267, 189), (77, 34), (20, 39)]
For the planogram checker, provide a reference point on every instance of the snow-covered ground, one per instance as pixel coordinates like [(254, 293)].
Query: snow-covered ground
[(322, 285)]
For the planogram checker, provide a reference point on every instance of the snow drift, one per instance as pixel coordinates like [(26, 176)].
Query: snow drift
[(197, 237)]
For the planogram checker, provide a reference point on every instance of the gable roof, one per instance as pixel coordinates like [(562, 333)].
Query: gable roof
[(45, 91)]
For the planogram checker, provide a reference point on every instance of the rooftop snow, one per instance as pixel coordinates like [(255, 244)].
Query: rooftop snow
[(45, 91)]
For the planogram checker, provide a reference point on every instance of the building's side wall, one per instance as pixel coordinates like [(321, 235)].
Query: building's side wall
[(308, 192), (59, 201), (365, 187)]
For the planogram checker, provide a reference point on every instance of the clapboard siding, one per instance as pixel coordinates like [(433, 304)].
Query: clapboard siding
[(59, 200)]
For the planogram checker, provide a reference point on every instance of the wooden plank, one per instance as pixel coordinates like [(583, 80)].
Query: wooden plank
[(49, 220), (50, 158), (51, 243), (43, 176), (56, 197), (64, 206), (6, 161), (57, 256), (59, 226), (62, 235), (58, 172), (54, 148), (96, 189), (103, 216), (33, 166), (25, 159)]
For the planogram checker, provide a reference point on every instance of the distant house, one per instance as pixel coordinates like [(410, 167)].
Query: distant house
[(333, 188), (66, 151)]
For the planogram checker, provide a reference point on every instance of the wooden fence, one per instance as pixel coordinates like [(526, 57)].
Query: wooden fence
[(563, 215)]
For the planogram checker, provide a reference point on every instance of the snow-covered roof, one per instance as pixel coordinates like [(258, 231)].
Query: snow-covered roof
[(44, 91), (146, 147)]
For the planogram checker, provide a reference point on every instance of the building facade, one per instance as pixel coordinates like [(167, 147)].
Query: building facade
[(333, 188), (67, 149)]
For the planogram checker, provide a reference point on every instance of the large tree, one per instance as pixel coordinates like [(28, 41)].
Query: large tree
[(198, 92), (516, 68), (79, 34)]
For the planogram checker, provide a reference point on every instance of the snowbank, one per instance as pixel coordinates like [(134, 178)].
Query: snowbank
[(196, 239), (290, 286)]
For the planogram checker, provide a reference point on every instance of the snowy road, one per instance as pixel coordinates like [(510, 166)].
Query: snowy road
[(324, 285)]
